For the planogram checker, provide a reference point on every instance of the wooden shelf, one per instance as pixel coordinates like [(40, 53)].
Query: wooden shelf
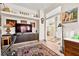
[(18, 15)]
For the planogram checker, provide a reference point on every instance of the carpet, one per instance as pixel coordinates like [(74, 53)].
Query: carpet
[(36, 50)]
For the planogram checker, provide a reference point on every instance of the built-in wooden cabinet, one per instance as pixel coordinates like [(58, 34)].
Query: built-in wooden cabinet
[(6, 40), (71, 48)]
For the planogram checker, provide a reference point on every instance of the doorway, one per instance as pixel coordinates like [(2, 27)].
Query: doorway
[(54, 33), (50, 29)]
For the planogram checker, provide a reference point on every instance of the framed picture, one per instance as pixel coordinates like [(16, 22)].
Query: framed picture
[(11, 22), (23, 21), (70, 16), (33, 24)]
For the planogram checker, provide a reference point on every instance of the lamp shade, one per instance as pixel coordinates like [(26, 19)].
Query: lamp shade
[(8, 28), (7, 25)]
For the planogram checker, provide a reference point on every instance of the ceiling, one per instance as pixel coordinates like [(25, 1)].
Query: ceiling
[(39, 6)]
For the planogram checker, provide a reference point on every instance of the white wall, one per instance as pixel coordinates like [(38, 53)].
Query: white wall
[(41, 27)]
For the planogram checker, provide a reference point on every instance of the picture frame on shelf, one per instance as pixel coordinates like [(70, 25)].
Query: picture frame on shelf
[(11, 22), (33, 24), (70, 16)]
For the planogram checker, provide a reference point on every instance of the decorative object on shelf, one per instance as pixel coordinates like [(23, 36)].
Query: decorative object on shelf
[(36, 15), (76, 37), (42, 20), (23, 21), (70, 16), (33, 24), (7, 29), (7, 9), (24, 13), (59, 25), (10, 22)]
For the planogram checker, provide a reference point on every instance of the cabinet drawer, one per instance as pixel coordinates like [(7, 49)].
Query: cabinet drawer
[(72, 51)]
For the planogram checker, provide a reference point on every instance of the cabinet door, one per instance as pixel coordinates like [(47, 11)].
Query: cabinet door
[(71, 48), (6, 40)]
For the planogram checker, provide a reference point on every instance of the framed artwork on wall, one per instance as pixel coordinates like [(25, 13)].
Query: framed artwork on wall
[(70, 16), (33, 24), (11, 23), (23, 21)]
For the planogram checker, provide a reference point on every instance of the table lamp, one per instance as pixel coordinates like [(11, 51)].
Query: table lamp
[(8, 30)]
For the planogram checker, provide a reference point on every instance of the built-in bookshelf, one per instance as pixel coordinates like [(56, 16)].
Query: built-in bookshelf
[(18, 11), (19, 15)]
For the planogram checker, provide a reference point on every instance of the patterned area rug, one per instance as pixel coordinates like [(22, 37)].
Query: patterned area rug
[(36, 50)]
